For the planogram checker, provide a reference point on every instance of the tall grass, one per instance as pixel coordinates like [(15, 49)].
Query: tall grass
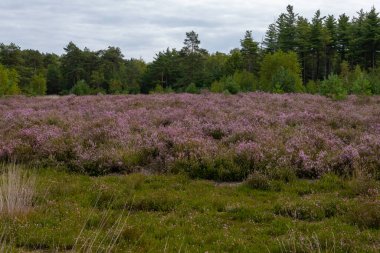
[(98, 242), (17, 190)]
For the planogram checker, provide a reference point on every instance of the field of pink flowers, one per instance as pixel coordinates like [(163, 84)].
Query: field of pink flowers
[(212, 136)]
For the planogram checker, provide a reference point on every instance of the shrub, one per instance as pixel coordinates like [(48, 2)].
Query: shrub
[(37, 85), (286, 175), (365, 215), (115, 86), (158, 202), (192, 88), (282, 70), (311, 87), (333, 87), (374, 79), (361, 85), (9, 80), (258, 181), (309, 211), (81, 88), (231, 85), (158, 89), (245, 80), (217, 87), (363, 187), (284, 81), (17, 190)]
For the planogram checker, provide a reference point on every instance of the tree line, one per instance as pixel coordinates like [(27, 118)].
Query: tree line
[(329, 55)]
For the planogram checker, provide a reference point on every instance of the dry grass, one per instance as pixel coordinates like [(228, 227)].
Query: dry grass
[(17, 190)]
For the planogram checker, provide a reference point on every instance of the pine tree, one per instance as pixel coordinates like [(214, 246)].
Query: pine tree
[(357, 45), (330, 28), (286, 27), (343, 36), (192, 60), (271, 39), (249, 51), (371, 37), (317, 43), (303, 45)]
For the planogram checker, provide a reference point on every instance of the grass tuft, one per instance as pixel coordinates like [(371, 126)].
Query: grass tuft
[(17, 190)]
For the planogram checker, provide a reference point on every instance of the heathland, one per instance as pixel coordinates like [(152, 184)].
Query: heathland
[(251, 172)]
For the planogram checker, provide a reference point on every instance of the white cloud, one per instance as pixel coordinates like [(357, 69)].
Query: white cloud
[(141, 28)]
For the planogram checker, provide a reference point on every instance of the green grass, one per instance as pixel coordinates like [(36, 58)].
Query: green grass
[(144, 213)]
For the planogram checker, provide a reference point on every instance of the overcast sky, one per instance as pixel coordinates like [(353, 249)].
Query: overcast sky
[(141, 28)]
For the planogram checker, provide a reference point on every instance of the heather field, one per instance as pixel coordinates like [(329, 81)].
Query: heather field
[(210, 136), (251, 172)]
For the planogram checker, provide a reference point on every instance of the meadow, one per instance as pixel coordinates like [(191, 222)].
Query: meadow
[(252, 172)]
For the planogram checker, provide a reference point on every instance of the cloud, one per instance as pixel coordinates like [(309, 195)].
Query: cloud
[(141, 28)]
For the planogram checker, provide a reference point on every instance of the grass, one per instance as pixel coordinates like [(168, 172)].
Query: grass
[(17, 189), (166, 213)]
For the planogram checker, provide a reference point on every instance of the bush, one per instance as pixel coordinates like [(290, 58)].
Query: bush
[(245, 80), (333, 87), (222, 168), (361, 85), (217, 87), (286, 175), (365, 215), (81, 88), (9, 80), (374, 79), (284, 81), (282, 70), (192, 88), (309, 211), (311, 87), (363, 187), (115, 86), (258, 181), (37, 85), (231, 86)]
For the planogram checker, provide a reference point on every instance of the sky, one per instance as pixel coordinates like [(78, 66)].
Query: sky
[(142, 28)]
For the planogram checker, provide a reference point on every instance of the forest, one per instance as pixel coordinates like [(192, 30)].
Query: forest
[(328, 55)]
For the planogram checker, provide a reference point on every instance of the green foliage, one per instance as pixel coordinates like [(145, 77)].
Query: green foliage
[(345, 75), (258, 181), (115, 86), (53, 79), (284, 81), (281, 71), (374, 79), (192, 88), (81, 88), (158, 89), (9, 80), (333, 87), (245, 80), (311, 87), (217, 87), (249, 51), (37, 85), (231, 85), (365, 215), (362, 86)]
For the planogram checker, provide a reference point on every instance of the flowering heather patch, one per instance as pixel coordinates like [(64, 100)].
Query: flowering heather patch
[(212, 136)]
